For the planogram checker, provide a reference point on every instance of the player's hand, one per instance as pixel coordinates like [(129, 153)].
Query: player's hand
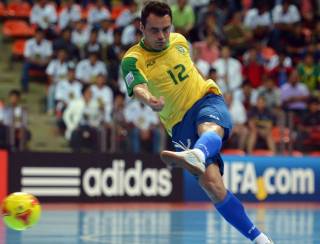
[(156, 104)]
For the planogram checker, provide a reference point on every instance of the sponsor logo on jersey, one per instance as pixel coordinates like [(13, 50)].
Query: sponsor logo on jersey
[(150, 62)]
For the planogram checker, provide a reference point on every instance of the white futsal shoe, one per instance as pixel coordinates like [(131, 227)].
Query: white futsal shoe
[(263, 239), (188, 159)]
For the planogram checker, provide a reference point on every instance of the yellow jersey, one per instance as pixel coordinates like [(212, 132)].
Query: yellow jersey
[(170, 73)]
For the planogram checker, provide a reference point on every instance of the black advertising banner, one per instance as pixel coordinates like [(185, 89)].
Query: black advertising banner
[(68, 177)]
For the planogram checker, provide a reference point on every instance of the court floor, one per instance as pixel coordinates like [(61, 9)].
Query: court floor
[(164, 224)]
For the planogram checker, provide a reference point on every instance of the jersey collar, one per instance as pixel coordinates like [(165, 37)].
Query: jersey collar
[(150, 49)]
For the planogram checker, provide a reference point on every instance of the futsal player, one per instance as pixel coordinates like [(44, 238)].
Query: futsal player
[(159, 72)]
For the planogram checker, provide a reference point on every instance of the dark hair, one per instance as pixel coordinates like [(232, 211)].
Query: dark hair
[(15, 92), (85, 87), (157, 8)]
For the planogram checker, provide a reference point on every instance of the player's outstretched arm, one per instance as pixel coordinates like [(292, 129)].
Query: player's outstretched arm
[(142, 93)]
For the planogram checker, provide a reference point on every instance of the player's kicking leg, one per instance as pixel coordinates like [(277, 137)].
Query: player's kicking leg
[(210, 179)]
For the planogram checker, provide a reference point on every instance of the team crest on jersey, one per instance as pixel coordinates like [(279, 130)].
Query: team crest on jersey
[(129, 78), (181, 49)]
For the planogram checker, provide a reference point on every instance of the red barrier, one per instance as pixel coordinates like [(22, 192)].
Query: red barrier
[(3, 174)]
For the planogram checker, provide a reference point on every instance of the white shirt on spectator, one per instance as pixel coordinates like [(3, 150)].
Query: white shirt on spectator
[(57, 70), (43, 17), (238, 95), (105, 37), (95, 15), (143, 117), (87, 72), (104, 96), (238, 112), (231, 67), (69, 15), (253, 19), (125, 18), (67, 91), (290, 17), (77, 111), (203, 66), (41, 50), (128, 35), (80, 38)]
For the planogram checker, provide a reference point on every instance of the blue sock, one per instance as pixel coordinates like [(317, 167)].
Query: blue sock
[(209, 143), (233, 211)]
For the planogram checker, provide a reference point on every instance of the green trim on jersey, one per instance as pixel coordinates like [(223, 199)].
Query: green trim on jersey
[(149, 49), (131, 74)]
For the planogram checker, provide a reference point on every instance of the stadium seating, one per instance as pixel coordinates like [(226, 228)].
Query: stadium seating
[(262, 152), (17, 29), (18, 10), (233, 151)]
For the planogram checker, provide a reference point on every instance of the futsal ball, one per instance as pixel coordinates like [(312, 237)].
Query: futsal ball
[(20, 210)]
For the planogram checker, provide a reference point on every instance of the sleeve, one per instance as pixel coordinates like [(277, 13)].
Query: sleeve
[(132, 74), (50, 68), (27, 50)]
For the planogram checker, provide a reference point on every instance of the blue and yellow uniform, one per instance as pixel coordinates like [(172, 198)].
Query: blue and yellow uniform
[(189, 98)]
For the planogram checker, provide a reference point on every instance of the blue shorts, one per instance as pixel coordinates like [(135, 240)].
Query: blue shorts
[(210, 108)]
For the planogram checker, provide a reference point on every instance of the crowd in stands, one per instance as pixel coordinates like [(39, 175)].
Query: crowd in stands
[(264, 55)]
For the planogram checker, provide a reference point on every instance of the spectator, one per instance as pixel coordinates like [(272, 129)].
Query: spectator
[(67, 90), (83, 118), (104, 95), (43, 14), (88, 69), (271, 93), (237, 35), (259, 21), (16, 119), (144, 127), (202, 65), (97, 13), (127, 15), (239, 119), (229, 71), (93, 46), (309, 73), (129, 32), (183, 17), (294, 94), (208, 49), (284, 17), (247, 95), (211, 9), (70, 13), (260, 126), (308, 138), (253, 70), (114, 55), (210, 27), (57, 70), (105, 34), (280, 67), (64, 42), (297, 43), (120, 124), (37, 54), (80, 36)]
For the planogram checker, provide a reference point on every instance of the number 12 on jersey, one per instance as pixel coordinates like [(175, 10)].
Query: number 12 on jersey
[(180, 76)]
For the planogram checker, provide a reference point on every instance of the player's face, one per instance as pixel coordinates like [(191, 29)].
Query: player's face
[(156, 31)]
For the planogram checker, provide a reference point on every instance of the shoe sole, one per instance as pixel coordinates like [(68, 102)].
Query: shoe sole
[(171, 159)]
